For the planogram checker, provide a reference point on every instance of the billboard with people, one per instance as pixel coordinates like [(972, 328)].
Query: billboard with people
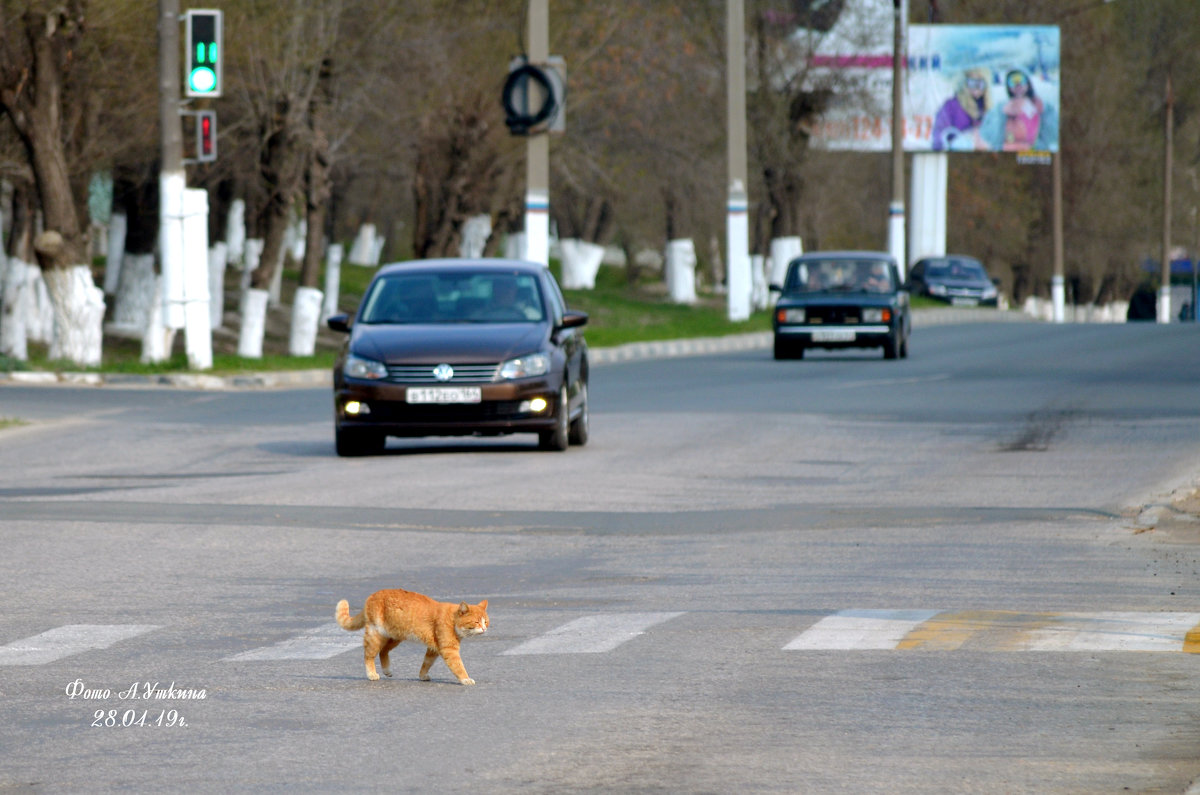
[(968, 88)]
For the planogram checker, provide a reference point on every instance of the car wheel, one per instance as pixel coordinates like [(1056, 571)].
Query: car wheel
[(904, 348), (559, 438), (891, 347), (785, 349), (579, 428), (356, 442)]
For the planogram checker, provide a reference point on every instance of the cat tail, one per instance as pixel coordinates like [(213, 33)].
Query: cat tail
[(344, 619)]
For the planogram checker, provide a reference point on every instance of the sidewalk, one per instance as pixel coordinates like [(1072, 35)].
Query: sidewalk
[(634, 351)]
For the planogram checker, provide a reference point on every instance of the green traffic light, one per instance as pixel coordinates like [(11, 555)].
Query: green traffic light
[(202, 79)]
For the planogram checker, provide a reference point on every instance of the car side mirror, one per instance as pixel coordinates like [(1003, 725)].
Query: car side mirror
[(774, 288), (338, 322), (572, 319)]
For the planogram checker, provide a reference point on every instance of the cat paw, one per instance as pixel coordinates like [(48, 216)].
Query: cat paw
[(387, 673), (424, 677), (467, 681), (374, 677)]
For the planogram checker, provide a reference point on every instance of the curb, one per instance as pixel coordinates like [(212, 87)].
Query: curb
[(630, 352)]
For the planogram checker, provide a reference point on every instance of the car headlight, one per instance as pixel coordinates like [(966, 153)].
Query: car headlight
[(937, 289), (874, 315), (358, 367), (790, 315), (989, 292), (526, 366)]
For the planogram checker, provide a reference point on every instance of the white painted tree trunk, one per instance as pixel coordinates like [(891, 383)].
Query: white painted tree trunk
[(783, 251), (580, 263), (333, 280), (363, 250), (306, 317), (218, 259), (157, 339), (117, 226), (475, 233), (14, 301), (254, 323), (681, 271), (78, 315), (235, 231), (759, 294), (39, 309), (197, 328), (137, 291)]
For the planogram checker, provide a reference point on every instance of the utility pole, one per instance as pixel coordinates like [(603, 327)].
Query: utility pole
[(897, 245), (1164, 290), (1057, 282), (537, 159), (171, 178), (737, 228)]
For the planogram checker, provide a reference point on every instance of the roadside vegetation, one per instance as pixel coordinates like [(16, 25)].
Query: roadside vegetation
[(620, 311)]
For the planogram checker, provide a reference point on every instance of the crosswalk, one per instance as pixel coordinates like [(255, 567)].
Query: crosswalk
[(1000, 630), (600, 633)]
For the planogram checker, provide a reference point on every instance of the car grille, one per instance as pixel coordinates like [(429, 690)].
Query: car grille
[(834, 315), (423, 374)]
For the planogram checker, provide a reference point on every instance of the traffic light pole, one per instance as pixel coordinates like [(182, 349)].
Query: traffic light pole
[(171, 180), (179, 283)]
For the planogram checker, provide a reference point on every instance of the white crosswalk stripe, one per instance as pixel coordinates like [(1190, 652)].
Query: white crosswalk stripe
[(861, 629), (318, 643), (64, 641), (592, 634)]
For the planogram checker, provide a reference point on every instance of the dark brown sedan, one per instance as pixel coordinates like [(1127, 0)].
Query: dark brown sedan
[(458, 347)]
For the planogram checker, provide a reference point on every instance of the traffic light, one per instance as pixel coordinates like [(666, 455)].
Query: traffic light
[(203, 55), (206, 136)]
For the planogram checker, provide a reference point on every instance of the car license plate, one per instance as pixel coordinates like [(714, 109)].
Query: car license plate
[(834, 335), (444, 394), (964, 302)]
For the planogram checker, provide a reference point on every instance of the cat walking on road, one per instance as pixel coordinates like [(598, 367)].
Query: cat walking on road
[(393, 615)]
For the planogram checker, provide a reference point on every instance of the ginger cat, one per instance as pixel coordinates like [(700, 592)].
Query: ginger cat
[(391, 616)]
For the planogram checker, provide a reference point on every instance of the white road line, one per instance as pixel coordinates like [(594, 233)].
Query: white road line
[(1113, 632), (860, 629), (64, 641), (319, 643), (592, 634)]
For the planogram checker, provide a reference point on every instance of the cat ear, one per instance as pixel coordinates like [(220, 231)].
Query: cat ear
[(463, 609), (483, 604)]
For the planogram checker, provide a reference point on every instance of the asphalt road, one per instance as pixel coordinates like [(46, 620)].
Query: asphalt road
[(835, 574)]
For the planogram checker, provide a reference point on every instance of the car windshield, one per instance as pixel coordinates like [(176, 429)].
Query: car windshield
[(839, 275), (964, 270), (487, 297)]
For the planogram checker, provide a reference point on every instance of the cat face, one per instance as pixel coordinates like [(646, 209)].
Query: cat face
[(471, 619)]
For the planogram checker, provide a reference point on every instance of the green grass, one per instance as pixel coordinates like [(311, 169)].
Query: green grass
[(619, 312), (10, 422)]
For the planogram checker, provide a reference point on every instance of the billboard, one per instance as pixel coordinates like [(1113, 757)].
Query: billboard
[(968, 88)]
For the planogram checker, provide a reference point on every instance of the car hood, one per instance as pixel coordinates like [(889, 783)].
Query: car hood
[(848, 298), (458, 343), (973, 284)]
